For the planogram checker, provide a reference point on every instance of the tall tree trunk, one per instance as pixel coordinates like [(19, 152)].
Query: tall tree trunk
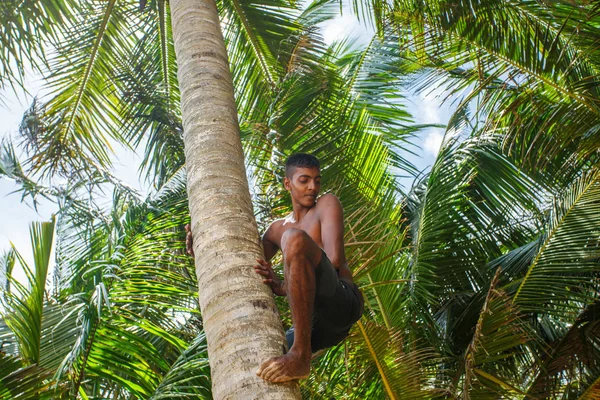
[(240, 317)]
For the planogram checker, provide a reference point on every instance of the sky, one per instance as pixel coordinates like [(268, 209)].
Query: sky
[(425, 107), (17, 215), (14, 214)]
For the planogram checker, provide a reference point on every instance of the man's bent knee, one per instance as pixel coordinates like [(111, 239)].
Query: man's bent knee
[(294, 241)]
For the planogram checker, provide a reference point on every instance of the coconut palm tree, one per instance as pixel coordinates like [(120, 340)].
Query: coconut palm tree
[(239, 315)]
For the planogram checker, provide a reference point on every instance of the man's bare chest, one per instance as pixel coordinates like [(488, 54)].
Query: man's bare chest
[(312, 226)]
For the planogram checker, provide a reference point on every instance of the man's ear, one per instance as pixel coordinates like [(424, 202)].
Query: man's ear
[(286, 183)]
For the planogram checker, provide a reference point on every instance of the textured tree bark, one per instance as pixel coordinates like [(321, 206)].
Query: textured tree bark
[(240, 317)]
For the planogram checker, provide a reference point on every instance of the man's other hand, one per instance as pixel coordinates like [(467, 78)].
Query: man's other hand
[(265, 269), (189, 242)]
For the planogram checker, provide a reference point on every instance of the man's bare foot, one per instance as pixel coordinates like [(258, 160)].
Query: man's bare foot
[(287, 367)]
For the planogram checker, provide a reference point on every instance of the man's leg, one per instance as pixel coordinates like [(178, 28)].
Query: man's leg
[(300, 255)]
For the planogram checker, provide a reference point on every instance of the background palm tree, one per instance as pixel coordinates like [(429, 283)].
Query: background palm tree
[(508, 190)]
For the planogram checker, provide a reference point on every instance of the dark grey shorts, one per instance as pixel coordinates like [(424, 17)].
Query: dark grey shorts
[(338, 305)]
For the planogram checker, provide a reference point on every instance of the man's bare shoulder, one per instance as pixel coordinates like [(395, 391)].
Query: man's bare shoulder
[(274, 227), (329, 206), (278, 223), (329, 200)]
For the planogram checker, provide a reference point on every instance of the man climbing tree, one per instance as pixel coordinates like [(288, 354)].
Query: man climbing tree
[(324, 300)]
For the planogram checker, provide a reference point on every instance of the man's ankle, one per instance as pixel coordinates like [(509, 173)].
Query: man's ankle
[(304, 354)]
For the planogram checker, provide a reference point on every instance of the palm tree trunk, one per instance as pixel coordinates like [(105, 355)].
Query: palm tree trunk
[(240, 317)]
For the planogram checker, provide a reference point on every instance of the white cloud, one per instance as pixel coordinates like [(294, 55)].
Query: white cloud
[(346, 26), (427, 109), (433, 142), (430, 112), (338, 28)]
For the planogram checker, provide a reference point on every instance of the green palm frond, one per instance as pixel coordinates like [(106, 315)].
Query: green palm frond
[(315, 111), (12, 169), (7, 264), (256, 35), (529, 69), (125, 358), (491, 366), (374, 249), (26, 28), (24, 382), (571, 361), (401, 373), (444, 193), (154, 251), (558, 281), (27, 323), (82, 112), (370, 363), (59, 333), (150, 113), (138, 294), (516, 262), (374, 75), (553, 139), (317, 12), (24, 306), (472, 207), (189, 376)]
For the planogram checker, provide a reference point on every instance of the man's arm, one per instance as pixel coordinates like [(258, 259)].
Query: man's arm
[(264, 267), (331, 216), (269, 248)]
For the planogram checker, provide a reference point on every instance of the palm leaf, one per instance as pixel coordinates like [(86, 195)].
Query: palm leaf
[(256, 33), (82, 112), (24, 308), (26, 28), (530, 69), (371, 363), (147, 78), (491, 364), (130, 325), (571, 362), (189, 376), (558, 279), (24, 382)]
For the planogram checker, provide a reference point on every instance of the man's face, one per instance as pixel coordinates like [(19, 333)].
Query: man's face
[(304, 185)]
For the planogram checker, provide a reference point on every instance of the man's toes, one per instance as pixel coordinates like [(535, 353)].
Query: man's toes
[(273, 372), (261, 372), (280, 378), (263, 369), (264, 366), (270, 374)]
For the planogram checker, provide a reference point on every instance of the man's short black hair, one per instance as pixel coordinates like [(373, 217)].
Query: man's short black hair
[(300, 160)]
